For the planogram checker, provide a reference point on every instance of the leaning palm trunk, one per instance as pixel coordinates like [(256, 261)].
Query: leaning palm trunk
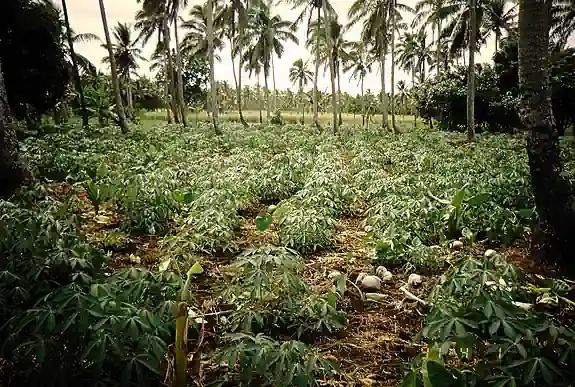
[(129, 96), (213, 92), (12, 170), (181, 102), (393, 121), (553, 240), (316, 75), (76, 73), (471, 74), (113, 70), (384, 123), (170, 70)]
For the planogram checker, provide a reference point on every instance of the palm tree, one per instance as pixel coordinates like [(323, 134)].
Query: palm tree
[(299, 75), (562, 21), (359, 65), (410, 54), (471, 71), (307, 9), (554, 200), (266, 35), (174, 15), (498, 20), (75, 70), (377, 28), (195, 41), (126, 55), (210, 45), (431, 13), (256, 67), (119, 108), (233, 17), (155, 18)]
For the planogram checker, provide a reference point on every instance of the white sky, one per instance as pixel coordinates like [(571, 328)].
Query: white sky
[(85, 17)]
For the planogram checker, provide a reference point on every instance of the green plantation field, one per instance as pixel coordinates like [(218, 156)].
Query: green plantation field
[(261, 235), (288, 117)]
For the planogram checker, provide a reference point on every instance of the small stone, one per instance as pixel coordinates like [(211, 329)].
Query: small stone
[(414, 280), (334, 274), (135, 259), (490, 253), (360, 278), (456, 245), (380, 271), (387, 277), (371, 282)]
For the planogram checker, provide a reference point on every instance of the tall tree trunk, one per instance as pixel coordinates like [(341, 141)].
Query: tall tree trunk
[(129, 96), (113, 70), (335, 116), (77, 79), (260, 101), (393, 27), (12, 170), (339, 92), (471, 72), (438, 48), (181, 101), (170, 64), (362, 104), (384, 123), (300, 102), (413, 110), (552, 241), (213, 91), (234, 71), (240, 67), (275, 105), (167, 96), (316, 76), (267, 94), (497, 38)]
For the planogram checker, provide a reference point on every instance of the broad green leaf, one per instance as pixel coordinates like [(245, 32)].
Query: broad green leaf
[(263, 222)]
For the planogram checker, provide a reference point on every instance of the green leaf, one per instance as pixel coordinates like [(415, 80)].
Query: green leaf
[(263, 222)]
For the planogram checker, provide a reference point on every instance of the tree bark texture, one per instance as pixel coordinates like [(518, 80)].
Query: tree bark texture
[(553, 240), (181, 101), (471, 72)]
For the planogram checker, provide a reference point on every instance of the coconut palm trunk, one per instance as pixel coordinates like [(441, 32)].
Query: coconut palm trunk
[(471, 72), (438, 49), (335, 116), (393, 27), (167, 96), (240, 67), (275, 105), (12, 170), (75, 71), (179, 64), (301, 102), (413, 88), (362, 103), (339, 92), (384, 122), (553, 240), (129, 96), (316, 75), (114, 71), (260, 101), (267, 96), (213, 91), (170, 70)]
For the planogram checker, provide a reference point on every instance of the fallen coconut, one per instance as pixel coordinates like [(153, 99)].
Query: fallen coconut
[(135, 259), (490, 253), (371, 282), (380, 271), (414, 280), (334, 274), (456, 245), (272, 208), (360, 278), (387, 277)]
